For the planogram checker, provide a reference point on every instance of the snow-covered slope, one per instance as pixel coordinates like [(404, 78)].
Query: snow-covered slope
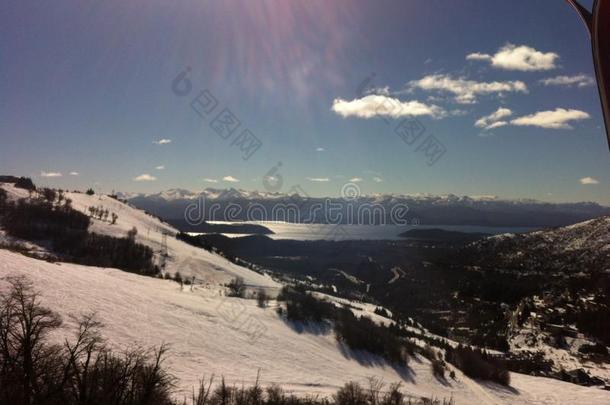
[(206, 267), (592, 235), (211, 334), (582, 247)]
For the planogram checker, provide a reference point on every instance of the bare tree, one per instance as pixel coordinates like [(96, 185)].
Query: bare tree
[(24, 324)]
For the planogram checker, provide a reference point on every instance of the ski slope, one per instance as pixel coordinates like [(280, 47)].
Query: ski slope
[(212, 334)]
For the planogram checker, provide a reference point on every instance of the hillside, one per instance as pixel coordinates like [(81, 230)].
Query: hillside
[(564, 317), (210, 333), (190, 261), (583, 247)]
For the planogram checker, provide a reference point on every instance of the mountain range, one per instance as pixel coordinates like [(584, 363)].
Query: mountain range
[(240, 205)]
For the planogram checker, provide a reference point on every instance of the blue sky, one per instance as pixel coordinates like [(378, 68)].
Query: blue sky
[(87, 88)]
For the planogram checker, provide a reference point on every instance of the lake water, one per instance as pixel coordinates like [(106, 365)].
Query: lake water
[(284, 230)]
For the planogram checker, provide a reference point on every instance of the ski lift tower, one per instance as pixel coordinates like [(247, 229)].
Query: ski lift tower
[(164, 253), (597, 22)]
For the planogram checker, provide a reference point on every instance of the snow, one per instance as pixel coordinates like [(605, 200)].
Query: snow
[(210, 334), (206, 267), (530, 338)]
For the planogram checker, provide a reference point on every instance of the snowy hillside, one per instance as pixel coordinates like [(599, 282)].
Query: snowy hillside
[(592, 235), (190, 261), (210, 334), (587, 243)]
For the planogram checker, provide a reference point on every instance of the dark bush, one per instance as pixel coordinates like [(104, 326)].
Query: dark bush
[(3, 198), (25, 183), (595, 322), (351, 394), (438, 368), (597, 348), (382, 312), (476, 363), (262, 299), (303, 307), (237, 287), (49, 194), (361, 333)]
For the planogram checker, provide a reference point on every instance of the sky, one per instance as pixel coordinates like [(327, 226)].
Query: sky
[(476, 97)]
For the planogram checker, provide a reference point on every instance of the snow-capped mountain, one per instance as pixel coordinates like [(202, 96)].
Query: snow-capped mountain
[(426, 209), (209, 193)]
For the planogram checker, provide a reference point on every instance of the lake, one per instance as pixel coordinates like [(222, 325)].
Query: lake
[(285, 230)]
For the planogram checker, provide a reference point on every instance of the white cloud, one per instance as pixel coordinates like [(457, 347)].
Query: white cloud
[(230, 179), (210, 180), (589, 181), (145, 177), (580, 80), (523, 58), (356, 179), (160, 167), (162, 141), (497, 124), (478, 56), (377, 179), (384, 91), (494, 120), (318, 179), (376, 105), (466, 91), (556, 119), (320, 150), (50, 174), (74, 173)]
